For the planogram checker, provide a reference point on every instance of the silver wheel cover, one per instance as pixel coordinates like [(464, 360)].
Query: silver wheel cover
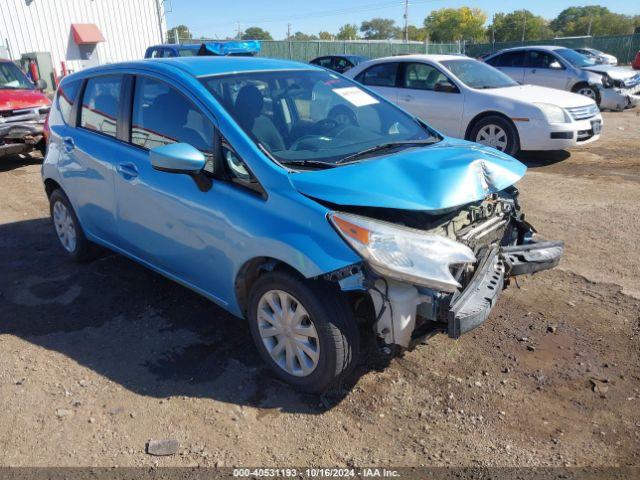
[(587, 92), (288, 333), (493, 136), (65, 228)]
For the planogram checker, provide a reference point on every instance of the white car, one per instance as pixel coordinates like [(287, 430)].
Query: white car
[(598, 56), (465, 98)]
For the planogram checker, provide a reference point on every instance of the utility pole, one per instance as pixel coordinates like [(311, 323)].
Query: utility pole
[(524, 24), (239, 31), (288, 31), (493, 30), (406, 21), (589, 30)]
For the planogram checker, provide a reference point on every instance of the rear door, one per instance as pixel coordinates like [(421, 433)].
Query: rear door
[(383, 78), (92, 150), (421, 94), (510, 63), (544, 69)]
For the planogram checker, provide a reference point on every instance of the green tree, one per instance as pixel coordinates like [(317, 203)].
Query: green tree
[(302, 37), (256, 33), (181, 32), (380, 29), (448, 24), (347, 32), (509, 27), (325, 36), (592, 20), (418, 34)]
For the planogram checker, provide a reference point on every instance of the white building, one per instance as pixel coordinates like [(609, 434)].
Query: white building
[(81, 33)]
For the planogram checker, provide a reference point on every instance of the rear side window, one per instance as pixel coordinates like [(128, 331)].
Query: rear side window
[(100, 104), (381, 75), (162, 115), (67, 95), (508, 59)]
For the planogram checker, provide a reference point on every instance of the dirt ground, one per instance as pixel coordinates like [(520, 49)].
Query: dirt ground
[(97, 359)]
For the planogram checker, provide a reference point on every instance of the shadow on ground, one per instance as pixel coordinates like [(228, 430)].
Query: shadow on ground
[(534, 159), (11, 162), (149, 334)]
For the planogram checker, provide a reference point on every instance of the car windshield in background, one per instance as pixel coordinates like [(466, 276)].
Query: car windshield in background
[(574, 58), (187, 52), (12, 77), (479, 75), (313, 117)]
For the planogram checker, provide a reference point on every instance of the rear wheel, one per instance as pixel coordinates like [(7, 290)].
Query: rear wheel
[(496, 132), (67, 227), (304, 331)]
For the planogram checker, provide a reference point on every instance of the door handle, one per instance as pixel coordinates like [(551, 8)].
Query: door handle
[(533, 70), (406, 98), (127, 170), (68, 143)]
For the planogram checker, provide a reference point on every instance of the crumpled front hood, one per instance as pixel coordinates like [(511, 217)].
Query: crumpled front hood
[(445, 175), (616, 73)]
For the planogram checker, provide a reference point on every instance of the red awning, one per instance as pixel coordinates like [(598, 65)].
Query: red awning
[(84, 33)]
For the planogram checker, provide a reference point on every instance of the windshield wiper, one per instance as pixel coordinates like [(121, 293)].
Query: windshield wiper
[(308, 163), (387, 146)]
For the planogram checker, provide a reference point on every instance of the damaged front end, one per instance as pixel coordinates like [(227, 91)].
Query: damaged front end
[(427, 272), (618, 92), (22, 131)]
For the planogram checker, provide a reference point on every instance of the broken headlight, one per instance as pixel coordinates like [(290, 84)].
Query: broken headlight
[(403, 253), (553, 113)]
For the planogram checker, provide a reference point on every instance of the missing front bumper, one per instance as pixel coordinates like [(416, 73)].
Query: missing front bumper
[(474, 304)]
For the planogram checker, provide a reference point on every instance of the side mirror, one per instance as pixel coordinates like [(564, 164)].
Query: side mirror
[(41, 85), (177, 158), (445, 87), (555, 65)]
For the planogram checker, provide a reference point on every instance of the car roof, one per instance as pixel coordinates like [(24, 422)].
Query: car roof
[(183, 46), (419, 56), (533, 47), (206, 65)]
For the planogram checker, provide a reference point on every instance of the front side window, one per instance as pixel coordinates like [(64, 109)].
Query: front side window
[(101, 103), (11, 77), (539, 59), (421, 76), (381, 75), (478, 75), (323, 62), (161, 115), (311, 117), (67, 94)]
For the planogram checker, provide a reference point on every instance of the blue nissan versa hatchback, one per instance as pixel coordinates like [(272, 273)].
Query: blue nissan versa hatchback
[(292, 197)]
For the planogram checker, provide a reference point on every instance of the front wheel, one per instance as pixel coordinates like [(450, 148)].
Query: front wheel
[(304, 331), (496, 132), (588, 91)]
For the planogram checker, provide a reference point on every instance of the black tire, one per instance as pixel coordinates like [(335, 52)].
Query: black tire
[(333, 320), (512, 138), (83, 249), (582, 88)]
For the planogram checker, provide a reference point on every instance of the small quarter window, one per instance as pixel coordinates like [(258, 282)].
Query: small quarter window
[(66, 97), (100, 104)]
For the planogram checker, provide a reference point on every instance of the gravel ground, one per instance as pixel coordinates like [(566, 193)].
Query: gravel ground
[(98, 359)]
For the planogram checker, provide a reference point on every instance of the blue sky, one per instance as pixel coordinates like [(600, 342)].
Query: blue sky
[(213, 18)]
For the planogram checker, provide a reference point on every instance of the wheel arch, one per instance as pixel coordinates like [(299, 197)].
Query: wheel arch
[(50, 185), (485, 114)]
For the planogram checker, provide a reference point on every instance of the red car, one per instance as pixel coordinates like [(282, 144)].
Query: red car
[(636, 61), (23, 111)]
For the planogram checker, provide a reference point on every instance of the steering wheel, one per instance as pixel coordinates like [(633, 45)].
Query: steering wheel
[(326, 124)]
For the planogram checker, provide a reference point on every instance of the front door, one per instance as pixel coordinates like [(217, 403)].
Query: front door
[(166, 219), (427, 93), (544, 69)]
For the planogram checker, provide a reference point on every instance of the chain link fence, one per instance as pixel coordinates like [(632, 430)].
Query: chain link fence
[(307, 50), (624, 47)]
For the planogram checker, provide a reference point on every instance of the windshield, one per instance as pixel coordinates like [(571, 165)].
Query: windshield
[(13, 78), (574, 58), (477, 74), (312, 116)]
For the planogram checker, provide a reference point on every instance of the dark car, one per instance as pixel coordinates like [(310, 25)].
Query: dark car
[(339, 63), (232, 48)]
